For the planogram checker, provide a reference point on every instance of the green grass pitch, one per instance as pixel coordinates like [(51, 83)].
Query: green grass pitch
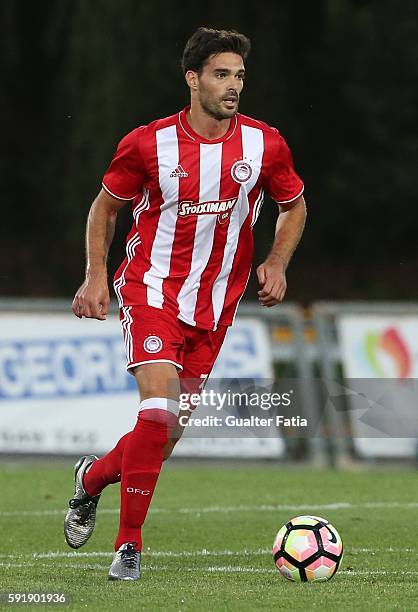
[(208, 537)]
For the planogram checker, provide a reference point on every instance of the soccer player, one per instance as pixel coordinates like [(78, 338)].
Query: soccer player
[(196, 182)]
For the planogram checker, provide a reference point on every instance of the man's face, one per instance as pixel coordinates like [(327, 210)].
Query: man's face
[(220, 84)]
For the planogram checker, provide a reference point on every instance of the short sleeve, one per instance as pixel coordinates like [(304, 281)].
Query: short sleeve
[(281, 181), (125, 176)]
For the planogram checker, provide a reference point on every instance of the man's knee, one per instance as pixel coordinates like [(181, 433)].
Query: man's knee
[(157, 380)]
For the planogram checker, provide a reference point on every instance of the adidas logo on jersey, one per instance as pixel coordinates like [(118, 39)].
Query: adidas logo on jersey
[(207, 208), (179, 172)]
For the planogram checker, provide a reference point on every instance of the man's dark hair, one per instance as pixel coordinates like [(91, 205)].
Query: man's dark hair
[(206, 42)]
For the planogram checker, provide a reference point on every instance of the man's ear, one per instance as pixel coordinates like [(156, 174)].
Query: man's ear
[(192, 79)]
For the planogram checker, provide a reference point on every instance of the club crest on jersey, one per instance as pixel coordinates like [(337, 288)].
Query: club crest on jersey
[(222, 208), (153, 344), (241, 171)]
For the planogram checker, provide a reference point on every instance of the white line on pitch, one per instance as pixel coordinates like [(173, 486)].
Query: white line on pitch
[(62, 512), (186, 553), (374, 551), (242, 508), (148, 553), (292, 507), (212, 569), (347, 572)]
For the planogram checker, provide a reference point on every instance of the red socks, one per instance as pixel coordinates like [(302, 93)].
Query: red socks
[(106, 470), (141, 465)]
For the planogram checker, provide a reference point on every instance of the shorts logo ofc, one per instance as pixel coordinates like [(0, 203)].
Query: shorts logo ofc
[(222, 208), (140, 491)]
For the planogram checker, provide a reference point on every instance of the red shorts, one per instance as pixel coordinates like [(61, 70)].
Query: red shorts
[(152, 335)]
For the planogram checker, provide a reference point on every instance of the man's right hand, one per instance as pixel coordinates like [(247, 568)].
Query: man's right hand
[(92, 299)]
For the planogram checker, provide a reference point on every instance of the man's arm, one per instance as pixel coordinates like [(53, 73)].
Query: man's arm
[(92, 299), (272, 272)]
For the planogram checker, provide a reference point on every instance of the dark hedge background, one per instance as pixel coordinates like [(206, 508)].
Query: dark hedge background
[(338, 78)]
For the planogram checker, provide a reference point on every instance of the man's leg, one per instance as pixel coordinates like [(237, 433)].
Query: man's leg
[(91, 476), (105, 470), (142, 459), (201, 351), (154, 344), (140, 325)]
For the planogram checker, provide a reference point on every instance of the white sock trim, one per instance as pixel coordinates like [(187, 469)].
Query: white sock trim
[(160, 403)]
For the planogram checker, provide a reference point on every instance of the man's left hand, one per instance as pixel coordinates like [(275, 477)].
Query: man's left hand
[(272, 278)]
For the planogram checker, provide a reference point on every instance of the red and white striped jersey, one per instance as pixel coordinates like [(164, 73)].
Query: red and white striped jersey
[(195, 202)]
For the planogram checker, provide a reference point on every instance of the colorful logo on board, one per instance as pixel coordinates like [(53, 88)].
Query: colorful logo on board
[(388, 345)]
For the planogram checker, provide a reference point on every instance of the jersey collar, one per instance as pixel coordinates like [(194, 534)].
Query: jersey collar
[(184, 125)]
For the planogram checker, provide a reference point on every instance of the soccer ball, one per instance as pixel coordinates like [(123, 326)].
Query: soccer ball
[(307, 549)]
